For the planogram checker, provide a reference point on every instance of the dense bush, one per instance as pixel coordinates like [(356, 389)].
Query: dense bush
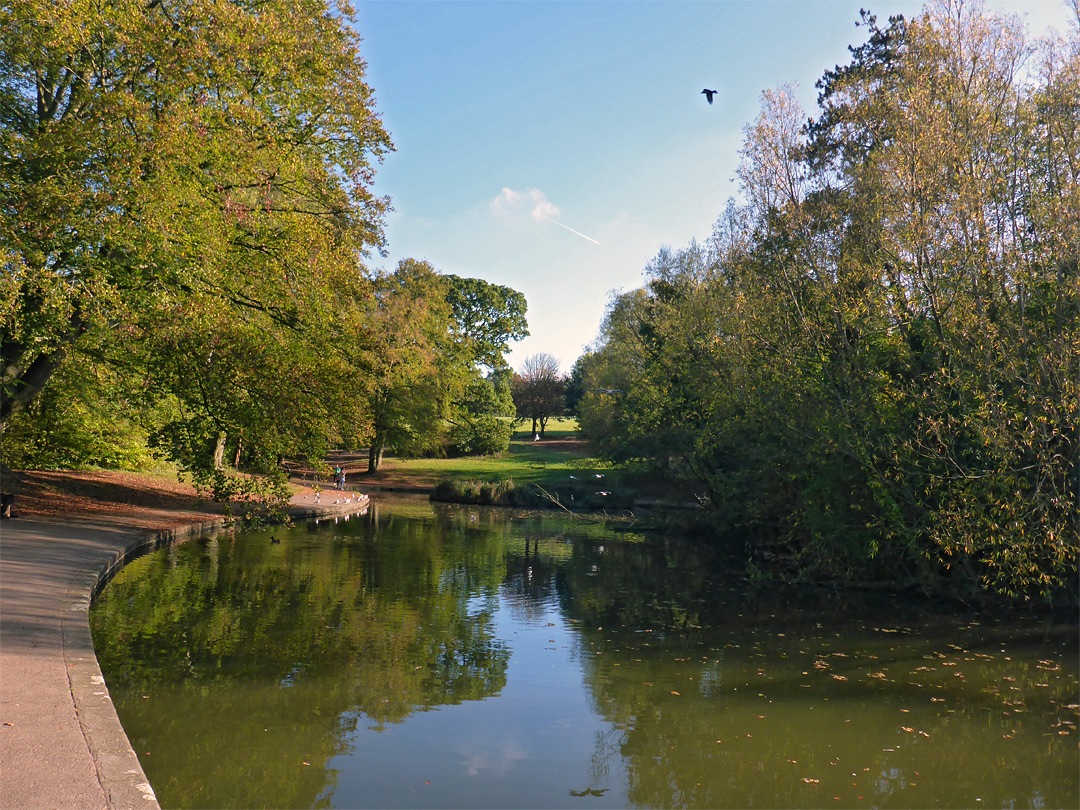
[(487, 493), (482, 435)]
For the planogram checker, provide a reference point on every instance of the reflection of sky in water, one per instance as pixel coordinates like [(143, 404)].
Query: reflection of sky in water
[(530, 745)]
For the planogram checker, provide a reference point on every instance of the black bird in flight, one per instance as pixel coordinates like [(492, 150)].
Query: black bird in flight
[(709, 94)]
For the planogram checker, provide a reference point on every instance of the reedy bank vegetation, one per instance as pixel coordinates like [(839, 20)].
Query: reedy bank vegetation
[(870, 372)]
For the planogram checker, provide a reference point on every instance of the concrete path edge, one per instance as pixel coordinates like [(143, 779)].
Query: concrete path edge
[(118, 768)]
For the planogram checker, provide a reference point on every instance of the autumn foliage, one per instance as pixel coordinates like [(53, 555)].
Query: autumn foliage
[(870, 372)]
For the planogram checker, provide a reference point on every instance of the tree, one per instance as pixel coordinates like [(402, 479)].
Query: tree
[(539, 391), (478, 423), (421, 341), (403, 342), (576, 385), (205, 161), (872, 372), (488, 317)]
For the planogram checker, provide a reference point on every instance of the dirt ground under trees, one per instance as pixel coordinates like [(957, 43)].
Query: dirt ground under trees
[(153, 502)]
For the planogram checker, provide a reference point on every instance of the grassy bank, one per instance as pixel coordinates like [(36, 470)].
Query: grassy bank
[(559, 465)]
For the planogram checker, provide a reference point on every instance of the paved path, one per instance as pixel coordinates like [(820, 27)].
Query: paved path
[(61, 744)]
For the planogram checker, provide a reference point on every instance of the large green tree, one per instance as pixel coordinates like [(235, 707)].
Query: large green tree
[(422, 341), (488, 317), (191, 180), (404, 344)]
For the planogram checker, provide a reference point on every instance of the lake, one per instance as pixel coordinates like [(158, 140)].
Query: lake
[(437, 656)]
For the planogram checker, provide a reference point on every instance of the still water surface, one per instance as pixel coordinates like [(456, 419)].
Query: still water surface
[(433, 656)]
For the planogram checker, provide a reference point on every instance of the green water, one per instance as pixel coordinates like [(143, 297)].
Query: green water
[(425, 656)]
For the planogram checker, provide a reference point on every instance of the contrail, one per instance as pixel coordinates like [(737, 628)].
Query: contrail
[(579, 233)]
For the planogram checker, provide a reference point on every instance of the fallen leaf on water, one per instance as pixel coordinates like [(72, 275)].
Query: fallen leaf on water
[(908, 730), (810, 781), (675, 693), (305, 763)]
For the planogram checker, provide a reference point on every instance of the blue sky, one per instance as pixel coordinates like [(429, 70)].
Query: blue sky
[(555, 147)]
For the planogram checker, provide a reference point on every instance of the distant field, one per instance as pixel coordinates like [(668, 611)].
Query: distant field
[(557, 460)]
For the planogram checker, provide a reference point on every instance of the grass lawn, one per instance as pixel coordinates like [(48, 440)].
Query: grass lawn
[(556, 460)]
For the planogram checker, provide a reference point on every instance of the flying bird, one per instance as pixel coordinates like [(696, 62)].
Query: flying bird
[(709, 94)]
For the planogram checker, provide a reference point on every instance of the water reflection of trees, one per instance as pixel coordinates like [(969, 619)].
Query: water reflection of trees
[(293, 645), (299, 645), (718, 696), (529, 585)]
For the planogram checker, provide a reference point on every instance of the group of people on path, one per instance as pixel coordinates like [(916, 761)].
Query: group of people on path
[(339, 478)]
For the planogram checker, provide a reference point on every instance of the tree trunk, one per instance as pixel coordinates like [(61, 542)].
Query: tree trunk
[(22, 385), (219, 451), (375, 456)]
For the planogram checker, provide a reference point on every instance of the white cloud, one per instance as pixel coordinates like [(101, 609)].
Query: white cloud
[(532, 202), (512, 205)]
